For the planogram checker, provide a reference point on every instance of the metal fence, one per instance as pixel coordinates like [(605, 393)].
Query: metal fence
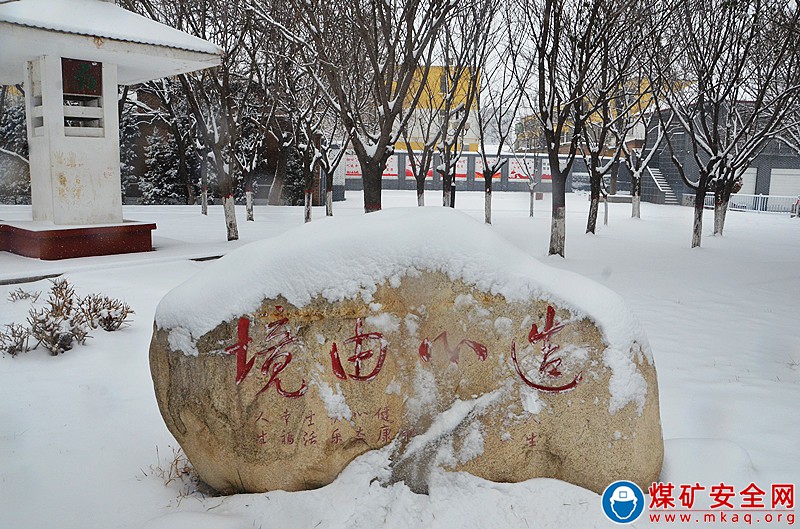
[(758, 203)]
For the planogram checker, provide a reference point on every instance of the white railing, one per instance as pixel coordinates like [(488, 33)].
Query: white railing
[(758, 203), (652, 175)]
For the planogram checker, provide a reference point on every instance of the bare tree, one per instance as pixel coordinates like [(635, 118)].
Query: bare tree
[(216, 96), (464, 41), (368, 71), (616, 95), (733, 71), (332, 149), (500, 100), (564, 38), (639, 158), (421, 135)]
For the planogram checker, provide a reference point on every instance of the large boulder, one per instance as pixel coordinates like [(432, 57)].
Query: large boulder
[(277, 365)]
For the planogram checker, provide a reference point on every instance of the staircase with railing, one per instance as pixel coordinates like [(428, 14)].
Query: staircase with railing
[(656, 188)]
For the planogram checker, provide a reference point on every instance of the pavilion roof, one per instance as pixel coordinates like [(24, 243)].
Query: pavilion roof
[(97, 30)]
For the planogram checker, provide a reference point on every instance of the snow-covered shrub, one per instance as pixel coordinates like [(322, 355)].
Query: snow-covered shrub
[(14, 339), (51, 331), (62, 319), (19, 295), (61, 322), (107, 313)]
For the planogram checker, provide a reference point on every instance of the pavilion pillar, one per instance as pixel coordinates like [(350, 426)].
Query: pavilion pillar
[(73, 139)]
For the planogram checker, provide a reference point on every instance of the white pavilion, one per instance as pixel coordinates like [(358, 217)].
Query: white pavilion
[(70, 56)]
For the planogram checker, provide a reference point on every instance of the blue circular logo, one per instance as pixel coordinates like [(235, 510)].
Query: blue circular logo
[(623, 502)]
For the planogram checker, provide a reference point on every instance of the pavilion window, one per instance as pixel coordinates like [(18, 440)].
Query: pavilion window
[(83, 98)]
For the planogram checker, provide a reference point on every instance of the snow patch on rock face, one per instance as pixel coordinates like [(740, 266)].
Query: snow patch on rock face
[(181, 340), (334, 401), (627, 385), (476, 313), (394, 387), (531, 402), (472, 444), (446, 422), (426, 393), (504, 326), (412, 324), (384, 321)]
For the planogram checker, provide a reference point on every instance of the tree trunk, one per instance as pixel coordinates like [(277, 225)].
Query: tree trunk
[(248, 179), (226, 187), (328, 193), (183, 171), (591, 223), (487, 205), (720, 210), (447, 181), (557, 223), (371, 176), (594, 194), (636, 193), (203, 182), (420, 190), (249, 200), (699, 202), (309, 197), (229, 207), (722, 198), (533, 198), (276, 190)]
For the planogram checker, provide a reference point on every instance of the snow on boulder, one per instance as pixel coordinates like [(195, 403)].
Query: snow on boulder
[(279, 364)]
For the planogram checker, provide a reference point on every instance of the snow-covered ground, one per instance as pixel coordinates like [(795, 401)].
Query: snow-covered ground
[(81, 437)]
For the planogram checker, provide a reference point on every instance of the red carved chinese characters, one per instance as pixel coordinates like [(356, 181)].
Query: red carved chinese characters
[(550, 364), (277, 357), (336, 437), (425, 348), (360, 355), (385, 433)]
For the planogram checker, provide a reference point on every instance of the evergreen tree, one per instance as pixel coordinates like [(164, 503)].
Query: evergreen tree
[(129, 137), (161, 183), (294, 186), (15, 182)]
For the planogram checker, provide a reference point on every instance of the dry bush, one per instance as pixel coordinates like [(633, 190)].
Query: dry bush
[(107, 313), (177, 470), (51, 331), (63, 319), (19, 295), (61, 322), (14, 339)]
